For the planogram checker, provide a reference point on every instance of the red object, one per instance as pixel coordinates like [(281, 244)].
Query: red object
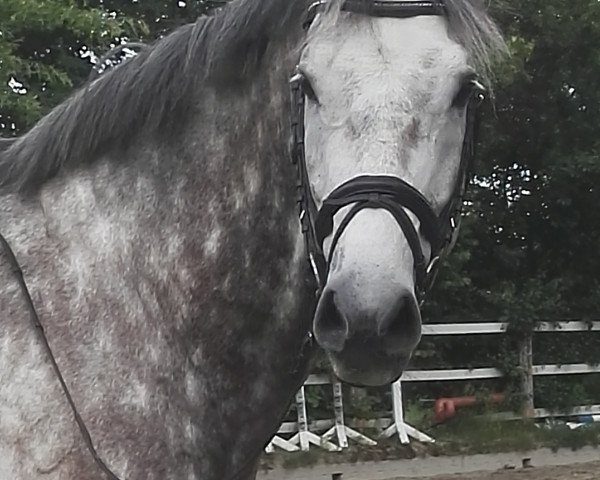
[(445, 408)]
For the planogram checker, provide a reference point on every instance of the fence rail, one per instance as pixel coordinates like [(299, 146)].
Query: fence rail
[(321, 433)]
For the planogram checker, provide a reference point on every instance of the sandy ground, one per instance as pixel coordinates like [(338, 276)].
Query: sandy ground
[(582, 471), (564, 464)]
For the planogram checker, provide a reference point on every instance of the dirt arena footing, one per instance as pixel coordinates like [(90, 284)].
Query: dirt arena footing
[(582, 464)]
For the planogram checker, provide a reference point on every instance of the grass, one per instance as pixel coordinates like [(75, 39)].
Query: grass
[(470, 434)]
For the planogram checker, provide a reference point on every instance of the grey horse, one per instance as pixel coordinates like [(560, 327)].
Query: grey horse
[(6, 142), (154, 215)]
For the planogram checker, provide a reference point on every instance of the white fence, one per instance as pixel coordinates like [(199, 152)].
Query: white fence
[(334, 434)]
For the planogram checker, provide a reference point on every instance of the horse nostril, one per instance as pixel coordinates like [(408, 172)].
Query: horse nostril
[(400, 327), (330, 325)]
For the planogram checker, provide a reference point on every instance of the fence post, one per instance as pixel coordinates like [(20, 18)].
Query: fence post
[(340, 429), (526, 370), (398, 411), (398, 426), (302, 420), (305, 437), (338, 407)]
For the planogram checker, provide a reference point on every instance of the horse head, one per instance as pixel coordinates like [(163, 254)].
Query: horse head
[(384, 97)]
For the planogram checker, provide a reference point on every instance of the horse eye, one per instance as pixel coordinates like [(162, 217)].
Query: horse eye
[(471, 91)]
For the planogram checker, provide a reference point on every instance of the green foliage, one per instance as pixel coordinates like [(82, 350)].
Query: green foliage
[(482, 434), (419, 417), (366, 403), (528, 245), (467, 435), (46, 46), (562, 394), (41, 48), (158, 16)]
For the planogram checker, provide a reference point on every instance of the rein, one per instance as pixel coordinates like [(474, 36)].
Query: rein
[(39, 329)]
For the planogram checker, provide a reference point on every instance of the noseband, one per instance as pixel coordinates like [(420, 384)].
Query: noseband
[(371, 191)]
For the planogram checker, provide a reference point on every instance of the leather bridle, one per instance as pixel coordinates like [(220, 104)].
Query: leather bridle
[(380, 8), (376, 191)]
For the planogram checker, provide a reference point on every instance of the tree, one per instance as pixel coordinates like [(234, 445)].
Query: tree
[(47, 47), (43, 50), (160, 16), (528, 249), (530, 240)]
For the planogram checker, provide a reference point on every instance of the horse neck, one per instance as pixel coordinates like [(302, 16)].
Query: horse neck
[(214, 206)]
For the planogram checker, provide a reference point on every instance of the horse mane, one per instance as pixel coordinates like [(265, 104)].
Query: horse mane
[(152, 92), (5, 143), (149, 92)]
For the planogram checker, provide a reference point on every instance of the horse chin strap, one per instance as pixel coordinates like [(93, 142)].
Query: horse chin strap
[(375, 192)]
